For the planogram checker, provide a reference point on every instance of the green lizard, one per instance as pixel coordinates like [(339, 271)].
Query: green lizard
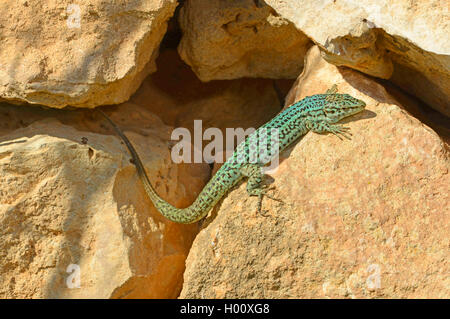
[(318, 113)]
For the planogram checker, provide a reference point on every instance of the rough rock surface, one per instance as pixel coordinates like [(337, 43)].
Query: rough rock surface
[(405, 41), (49, 56), (69, 196), (360, 218), (149, 252), (239, 38), (179, 98)]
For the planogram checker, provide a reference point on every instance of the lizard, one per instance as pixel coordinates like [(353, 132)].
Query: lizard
[(318, 113)]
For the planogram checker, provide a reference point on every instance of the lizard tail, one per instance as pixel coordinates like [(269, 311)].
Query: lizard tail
[(178, 215)]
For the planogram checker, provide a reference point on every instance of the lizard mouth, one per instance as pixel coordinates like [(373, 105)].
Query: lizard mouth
[(355, 106)]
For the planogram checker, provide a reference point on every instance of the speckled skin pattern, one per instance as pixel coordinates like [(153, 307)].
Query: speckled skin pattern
[(317, 113)]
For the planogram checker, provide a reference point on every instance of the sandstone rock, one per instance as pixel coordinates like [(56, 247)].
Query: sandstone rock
[(239, 38), (360, 218), (180, 98), (71, 206), (85, 54), (149, 251), (404, 41)]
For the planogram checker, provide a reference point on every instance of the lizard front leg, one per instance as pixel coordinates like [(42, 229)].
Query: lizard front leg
[(324, 127), (332, 90)]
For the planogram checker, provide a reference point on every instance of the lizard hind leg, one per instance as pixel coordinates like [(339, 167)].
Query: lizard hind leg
[(255, 186)]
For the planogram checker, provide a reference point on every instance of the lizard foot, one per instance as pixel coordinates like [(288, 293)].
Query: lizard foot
[(261, 193), (332, 90), (337, 129)]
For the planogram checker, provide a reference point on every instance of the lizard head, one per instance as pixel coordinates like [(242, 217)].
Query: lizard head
[(338, 106)]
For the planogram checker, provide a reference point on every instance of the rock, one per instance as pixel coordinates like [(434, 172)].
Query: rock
[(180, 98), (149, 251), (85, 54), (406, 42), (72, 206), (360, 218), (239, 38)]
